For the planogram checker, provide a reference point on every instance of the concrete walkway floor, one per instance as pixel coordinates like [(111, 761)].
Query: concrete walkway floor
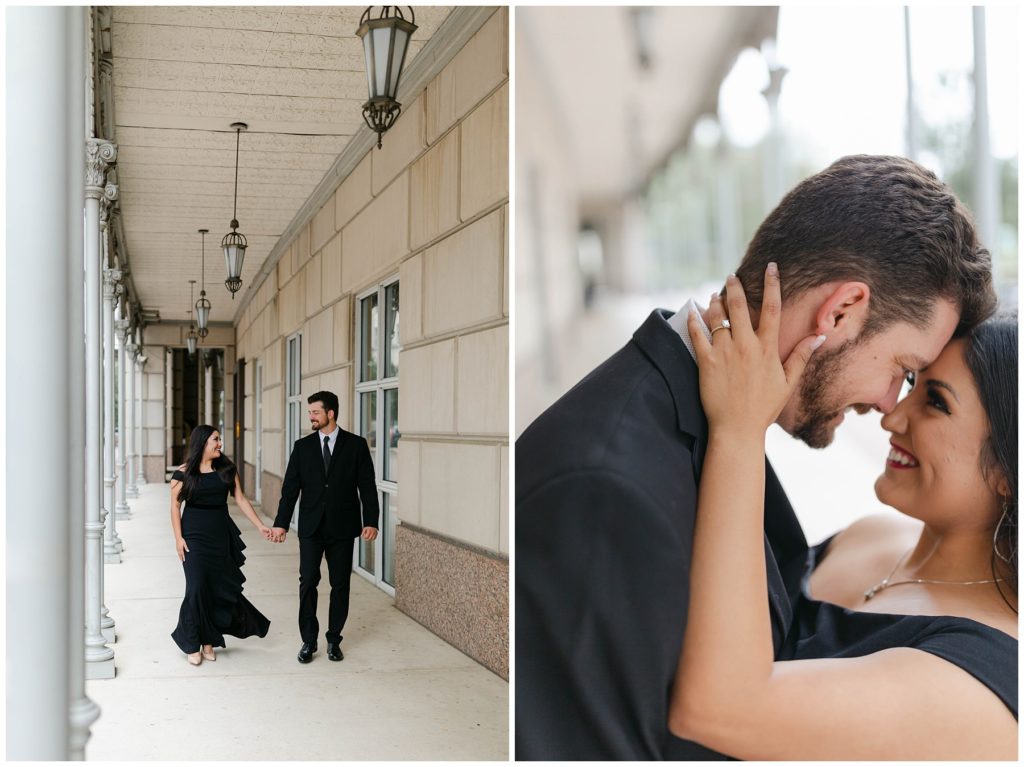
[(400, 693)]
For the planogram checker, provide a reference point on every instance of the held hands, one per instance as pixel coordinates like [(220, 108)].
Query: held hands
[(275, 535), (743, 384), (182, 547)]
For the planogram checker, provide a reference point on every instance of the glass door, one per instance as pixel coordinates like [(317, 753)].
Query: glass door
[(376, 406)]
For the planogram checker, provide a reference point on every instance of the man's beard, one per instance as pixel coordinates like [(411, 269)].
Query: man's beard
[(815, 411)]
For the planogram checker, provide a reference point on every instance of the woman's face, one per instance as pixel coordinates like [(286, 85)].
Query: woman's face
[(213, 447), (933, 471)]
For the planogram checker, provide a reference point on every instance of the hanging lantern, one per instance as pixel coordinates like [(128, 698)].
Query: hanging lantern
[(203, 304), (234, 243), (385, 43), (191, 339)]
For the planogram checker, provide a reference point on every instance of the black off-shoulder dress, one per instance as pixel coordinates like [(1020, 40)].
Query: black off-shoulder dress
[(827, 630), (213, 605)]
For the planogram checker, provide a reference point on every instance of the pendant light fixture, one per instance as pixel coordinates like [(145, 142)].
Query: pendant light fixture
[(234, 243), (203, 304), (191, 339), (385, 43)]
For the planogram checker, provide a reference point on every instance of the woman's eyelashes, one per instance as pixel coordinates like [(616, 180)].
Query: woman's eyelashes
[(936, 400)]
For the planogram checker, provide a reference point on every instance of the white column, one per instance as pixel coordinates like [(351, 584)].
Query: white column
[(82, 711), (99, 659), (132, 490), (140, 444), (124, 511), (37, 242), (208, 396), (168, 405), (983, 168), (112, 545)]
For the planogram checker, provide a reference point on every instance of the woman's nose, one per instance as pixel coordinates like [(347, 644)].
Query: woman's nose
[(895, 420)]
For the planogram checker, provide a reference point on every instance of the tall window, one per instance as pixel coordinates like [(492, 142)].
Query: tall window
[(376, 410), (293, 400)]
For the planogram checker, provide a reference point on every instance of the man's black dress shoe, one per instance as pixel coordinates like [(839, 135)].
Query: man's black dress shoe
[(334, 651), (306, 653)]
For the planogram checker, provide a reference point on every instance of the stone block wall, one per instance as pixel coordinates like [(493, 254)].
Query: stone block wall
[(432, 208)]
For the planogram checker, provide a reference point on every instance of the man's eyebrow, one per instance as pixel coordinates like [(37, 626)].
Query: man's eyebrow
[(942, 385), (913, 362)]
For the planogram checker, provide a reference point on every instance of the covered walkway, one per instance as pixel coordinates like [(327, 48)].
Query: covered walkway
[(401, 692)]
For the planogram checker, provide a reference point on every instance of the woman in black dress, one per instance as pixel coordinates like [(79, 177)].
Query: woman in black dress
[(904, 643), (210, 546)]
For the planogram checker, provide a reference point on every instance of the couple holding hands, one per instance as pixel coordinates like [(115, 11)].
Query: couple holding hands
[(332, 471)]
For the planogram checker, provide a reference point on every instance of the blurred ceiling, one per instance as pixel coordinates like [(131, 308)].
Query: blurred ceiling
[(631, 81), (181, 76)]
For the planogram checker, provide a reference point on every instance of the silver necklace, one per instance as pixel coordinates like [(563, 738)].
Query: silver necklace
[(886, 583)]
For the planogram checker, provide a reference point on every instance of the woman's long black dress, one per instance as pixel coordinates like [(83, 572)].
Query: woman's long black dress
[(213, 605)]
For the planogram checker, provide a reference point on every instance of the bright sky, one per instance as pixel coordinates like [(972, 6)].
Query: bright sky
[(846, 89)]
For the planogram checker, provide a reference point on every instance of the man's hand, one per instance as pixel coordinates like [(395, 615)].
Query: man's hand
[(369, 534), (278, 534)]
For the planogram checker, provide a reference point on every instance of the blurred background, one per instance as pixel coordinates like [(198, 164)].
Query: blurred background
[(652, 141)]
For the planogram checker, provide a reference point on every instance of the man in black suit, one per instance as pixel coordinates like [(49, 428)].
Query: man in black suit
[(874, 253), (327, 467)]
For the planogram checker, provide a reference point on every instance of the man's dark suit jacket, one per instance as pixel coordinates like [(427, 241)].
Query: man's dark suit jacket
[(606, 497), (329, 496)]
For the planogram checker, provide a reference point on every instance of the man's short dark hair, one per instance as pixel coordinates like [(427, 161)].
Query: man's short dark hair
[(329, 400), (887, 222)]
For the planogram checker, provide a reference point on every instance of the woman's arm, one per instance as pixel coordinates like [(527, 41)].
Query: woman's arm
[(248, 510), (730, 694), (179, 541)]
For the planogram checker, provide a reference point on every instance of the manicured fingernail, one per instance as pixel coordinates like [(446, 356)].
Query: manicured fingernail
[(773, 268), (817, 342), (731, 278), (714, 296)]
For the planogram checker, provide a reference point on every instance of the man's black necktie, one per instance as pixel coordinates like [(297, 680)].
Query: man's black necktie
[(327, 454)]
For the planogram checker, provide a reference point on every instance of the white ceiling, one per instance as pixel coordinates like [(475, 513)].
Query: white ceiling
[(181, 76), (624, 120)]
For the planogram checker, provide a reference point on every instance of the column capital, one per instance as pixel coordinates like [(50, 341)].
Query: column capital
[(111, 283), (99, 155)]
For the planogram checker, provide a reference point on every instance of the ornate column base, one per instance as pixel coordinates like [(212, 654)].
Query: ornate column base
[(123, 511), (81, 716), (107, 626), (99, 659), (140, 480), (103, 669), (132, 491), (112, 553)]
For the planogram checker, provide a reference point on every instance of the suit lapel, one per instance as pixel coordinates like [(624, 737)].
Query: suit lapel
[(785, 545)]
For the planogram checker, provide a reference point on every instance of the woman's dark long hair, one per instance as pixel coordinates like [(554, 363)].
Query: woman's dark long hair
[(991, 356), (222, 464)]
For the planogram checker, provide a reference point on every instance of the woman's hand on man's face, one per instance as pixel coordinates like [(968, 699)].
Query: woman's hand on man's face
[(743, 383)]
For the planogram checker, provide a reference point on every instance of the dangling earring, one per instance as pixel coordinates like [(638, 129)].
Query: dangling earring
[(995, 535)]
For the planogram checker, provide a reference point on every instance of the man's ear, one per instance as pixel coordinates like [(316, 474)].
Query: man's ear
[(844, 311)]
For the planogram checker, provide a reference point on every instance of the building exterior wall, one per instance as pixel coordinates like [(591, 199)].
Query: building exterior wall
[(432, 208)]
